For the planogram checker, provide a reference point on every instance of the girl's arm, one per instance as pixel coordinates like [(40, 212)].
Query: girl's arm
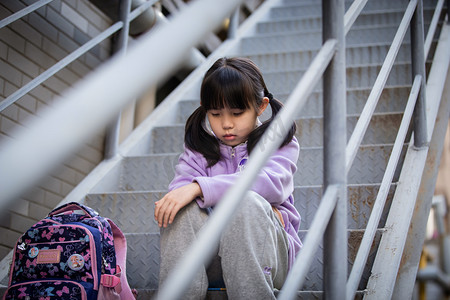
[(182, 190), (275, 182)]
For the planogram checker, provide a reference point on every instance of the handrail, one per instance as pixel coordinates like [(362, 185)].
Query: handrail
[(201, 250), (432, 28), (23, 12), (71, 57), (102, 91), (312, 241), (352, 14), (372, 101), (377, 209)]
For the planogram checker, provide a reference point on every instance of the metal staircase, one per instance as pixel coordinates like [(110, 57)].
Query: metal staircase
[(282, 40), (283, 45)]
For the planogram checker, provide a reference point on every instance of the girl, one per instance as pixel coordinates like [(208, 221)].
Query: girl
[(260, 243)]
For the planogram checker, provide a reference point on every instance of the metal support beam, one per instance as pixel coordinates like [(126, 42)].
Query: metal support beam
[(418, 67), (438, 86), (335, 141), (113, 131)]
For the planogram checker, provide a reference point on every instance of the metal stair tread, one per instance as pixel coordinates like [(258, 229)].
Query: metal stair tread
[(138, 215), (309, 131), (155, 171)]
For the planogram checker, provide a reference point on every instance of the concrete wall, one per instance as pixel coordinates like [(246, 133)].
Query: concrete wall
[(28, 47)]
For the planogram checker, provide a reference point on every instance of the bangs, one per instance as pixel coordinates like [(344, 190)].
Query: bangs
[(226, 88)]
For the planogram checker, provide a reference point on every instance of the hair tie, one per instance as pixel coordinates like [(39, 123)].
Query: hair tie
[(270, 96)]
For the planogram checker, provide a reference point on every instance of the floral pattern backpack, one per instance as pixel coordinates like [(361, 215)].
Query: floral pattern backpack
[(73, 253)]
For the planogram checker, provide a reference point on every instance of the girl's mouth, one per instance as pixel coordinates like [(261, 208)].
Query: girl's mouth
[(229, 137)]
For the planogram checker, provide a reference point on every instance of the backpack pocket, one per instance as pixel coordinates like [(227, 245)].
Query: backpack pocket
[(66, 251), (51, 290)]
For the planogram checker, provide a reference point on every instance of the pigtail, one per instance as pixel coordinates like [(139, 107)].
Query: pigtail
[(197, 139), (256, 134)]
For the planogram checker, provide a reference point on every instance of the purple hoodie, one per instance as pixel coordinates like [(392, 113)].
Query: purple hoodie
[(275, 182)]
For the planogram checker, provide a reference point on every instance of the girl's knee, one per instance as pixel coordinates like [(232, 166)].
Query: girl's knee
[(254, 203)]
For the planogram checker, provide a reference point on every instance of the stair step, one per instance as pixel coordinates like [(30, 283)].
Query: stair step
[(355, 56), (155, 171), (313, 40), (285, 82), (391, 99), (133, 211), (368, 167), (296, 8), (143, 261), (381, 130), (368, 18)]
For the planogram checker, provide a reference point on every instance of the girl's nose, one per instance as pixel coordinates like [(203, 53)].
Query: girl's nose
[(227, 123)]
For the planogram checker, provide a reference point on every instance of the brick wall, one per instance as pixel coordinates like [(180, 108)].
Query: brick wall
[(28, 47)]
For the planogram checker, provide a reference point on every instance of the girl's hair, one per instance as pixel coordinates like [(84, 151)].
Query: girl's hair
[(230, 83)]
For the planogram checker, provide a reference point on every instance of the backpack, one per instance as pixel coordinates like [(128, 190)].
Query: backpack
[(73, 253)]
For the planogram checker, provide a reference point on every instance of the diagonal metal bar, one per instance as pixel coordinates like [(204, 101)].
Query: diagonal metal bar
[(352, 14), (71, 57), (23, 12), (59, 66), (432, 27)]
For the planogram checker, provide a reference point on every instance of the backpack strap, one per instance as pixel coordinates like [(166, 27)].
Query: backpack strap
[(71, 206), (120, 244)]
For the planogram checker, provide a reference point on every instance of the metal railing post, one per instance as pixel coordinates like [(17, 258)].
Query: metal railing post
[(234, 24), (335, 141), (113, 130), (418, 68)]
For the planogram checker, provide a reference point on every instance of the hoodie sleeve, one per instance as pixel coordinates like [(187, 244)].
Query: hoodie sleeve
[(190, 165), (275, 182)]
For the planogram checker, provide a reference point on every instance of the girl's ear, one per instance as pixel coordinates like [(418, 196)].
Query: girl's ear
[(263, 106)]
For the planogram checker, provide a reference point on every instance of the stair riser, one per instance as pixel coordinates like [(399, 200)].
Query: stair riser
[(313, 40), (133, 211), (284, 83), (143, 258), (391, 100), (299, 9), (314, 22), (154, 172), (355, 56), (309, 133)]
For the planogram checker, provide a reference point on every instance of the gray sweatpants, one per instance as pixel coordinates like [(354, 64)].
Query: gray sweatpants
[(252, 255)]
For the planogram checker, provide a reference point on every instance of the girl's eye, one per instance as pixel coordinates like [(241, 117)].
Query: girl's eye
[(214, 114), (238, 113)]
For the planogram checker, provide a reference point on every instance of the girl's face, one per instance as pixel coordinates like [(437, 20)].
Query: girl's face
[(233, 125)]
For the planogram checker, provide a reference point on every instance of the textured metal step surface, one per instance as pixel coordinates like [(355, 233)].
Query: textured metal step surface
[(392, 99), (143, 260), (355, 56), (368, 167), (285, 82), (314, 22), (381, 130), (361, 198), (313, 40), (155, 171), (139, 173), (133, 211)]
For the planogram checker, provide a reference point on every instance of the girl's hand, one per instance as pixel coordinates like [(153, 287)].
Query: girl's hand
[(173, 201)]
